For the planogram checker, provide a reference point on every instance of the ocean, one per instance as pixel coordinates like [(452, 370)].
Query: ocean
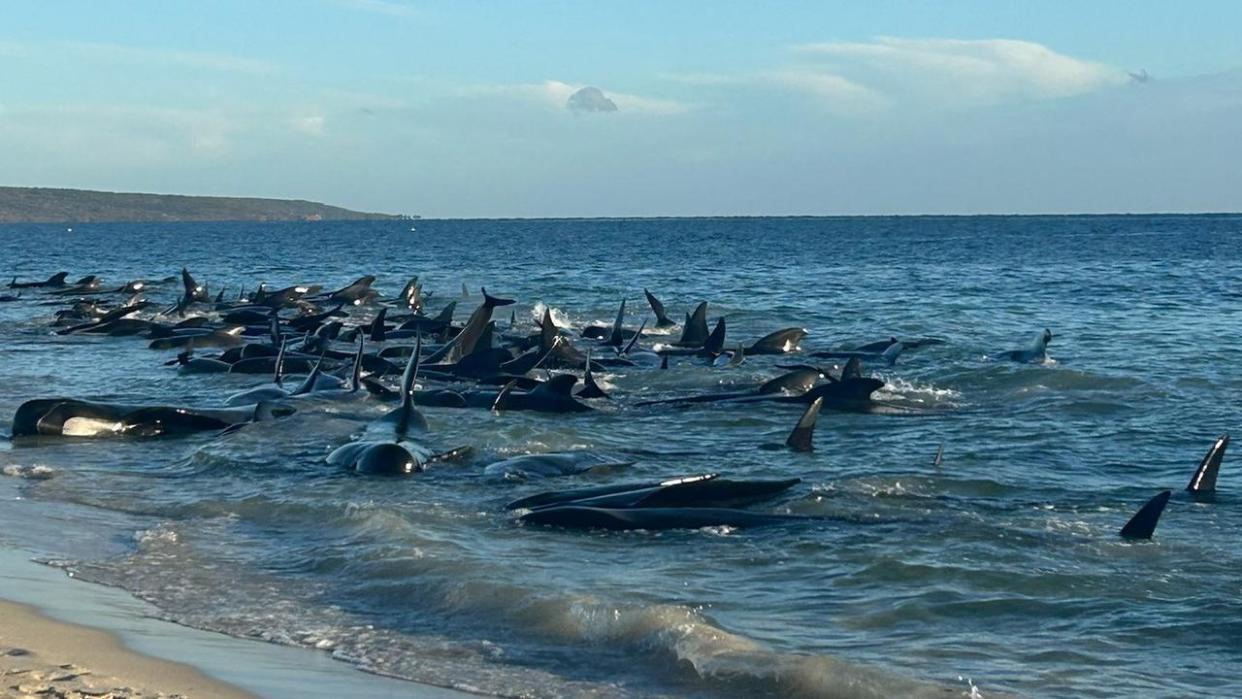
[(997, 573)]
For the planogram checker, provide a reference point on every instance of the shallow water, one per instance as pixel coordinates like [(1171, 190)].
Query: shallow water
[(999, 572)]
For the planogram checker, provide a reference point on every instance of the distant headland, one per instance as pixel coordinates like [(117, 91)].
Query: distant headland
[(43, 205)]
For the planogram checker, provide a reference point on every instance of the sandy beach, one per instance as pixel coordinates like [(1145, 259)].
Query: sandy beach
[(64, 638), (41, 657)]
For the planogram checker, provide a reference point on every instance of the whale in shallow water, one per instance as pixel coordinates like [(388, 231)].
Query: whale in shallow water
[(708, 490), (532, 466), (1035, 353), (794, 382), (888, 355), (55, 281), (388, 447), (69, 417), (779, 342), (653, 518)]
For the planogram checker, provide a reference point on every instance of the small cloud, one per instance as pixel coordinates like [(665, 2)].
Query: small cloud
[(309, 125), (590, 99), (1142, 76)]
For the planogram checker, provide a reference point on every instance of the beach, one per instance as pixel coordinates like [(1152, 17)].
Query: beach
[(60, 638), (43, 657)]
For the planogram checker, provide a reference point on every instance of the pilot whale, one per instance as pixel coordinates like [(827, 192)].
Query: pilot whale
[(69, 417), (1035, 353)]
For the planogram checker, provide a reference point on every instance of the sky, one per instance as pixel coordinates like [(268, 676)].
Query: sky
[(638, 108)]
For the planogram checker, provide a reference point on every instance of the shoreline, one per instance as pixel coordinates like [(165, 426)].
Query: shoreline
[(70, 635), (42, 656)]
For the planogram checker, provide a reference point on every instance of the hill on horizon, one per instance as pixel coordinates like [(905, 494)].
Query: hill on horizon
[(49, 205)]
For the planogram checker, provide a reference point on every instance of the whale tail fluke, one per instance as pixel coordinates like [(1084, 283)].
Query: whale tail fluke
[(591, 389), (1143, 524), (801, 439), (662, 319), (495, 301), (1203, 482)]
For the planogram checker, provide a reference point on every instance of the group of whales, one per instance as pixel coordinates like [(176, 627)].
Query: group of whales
[(300, 329)]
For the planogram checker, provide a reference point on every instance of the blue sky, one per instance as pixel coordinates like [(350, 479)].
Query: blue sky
[(463, 108)]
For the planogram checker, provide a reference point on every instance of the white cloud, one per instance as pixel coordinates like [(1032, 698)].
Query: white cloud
[(957, 72), (186, 59), (837, 94), (309, 125)]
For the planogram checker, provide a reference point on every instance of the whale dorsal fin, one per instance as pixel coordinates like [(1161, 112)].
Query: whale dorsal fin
[(634, 340), (852, 369), (547, 331), (739, 356), (273, 329), (614, 338), (891, 353), (1204, 480), (499, 403), (1143, 523), (801, 437), (355, 377), (308, 384), (716, 341), (446, 314), (694, 332), (938, 459), (378, 332), (279, 378), (410, 373)]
